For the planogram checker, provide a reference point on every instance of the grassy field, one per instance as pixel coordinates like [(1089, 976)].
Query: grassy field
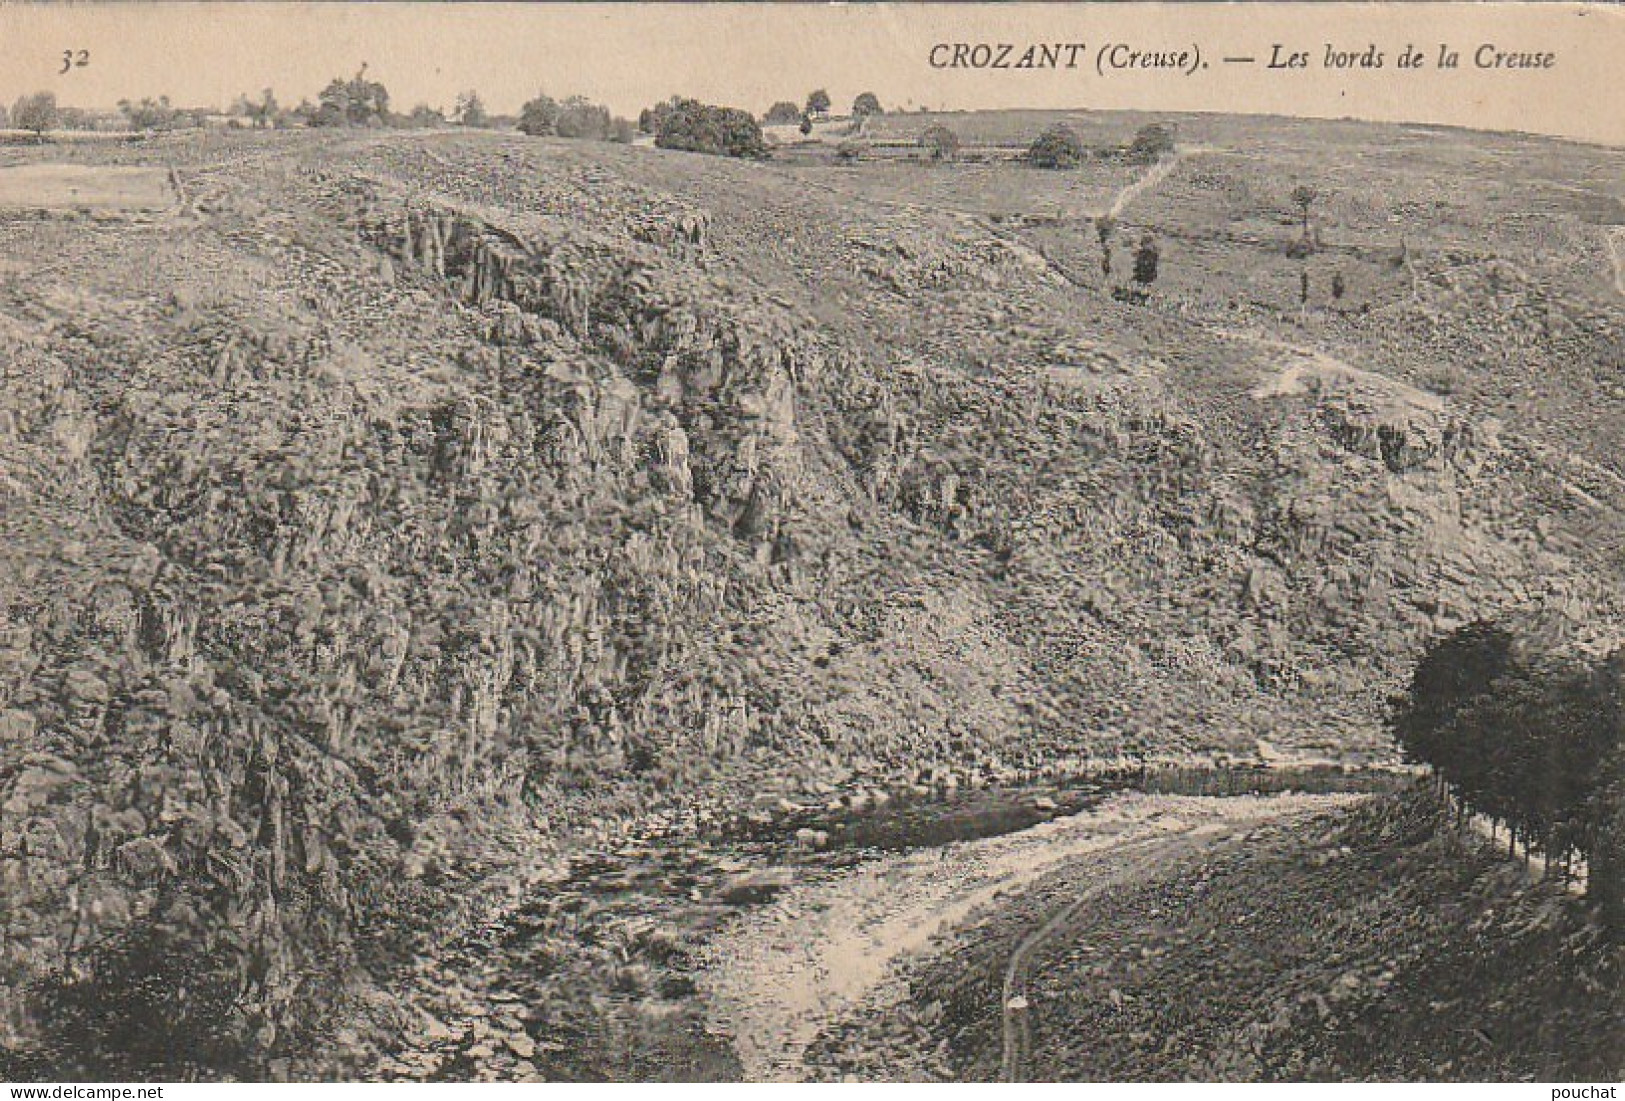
[(91, 187)]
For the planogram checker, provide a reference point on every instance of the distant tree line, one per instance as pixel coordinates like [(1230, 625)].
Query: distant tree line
[(785, 112), (40, 113), (1531, 740), (362, 102)]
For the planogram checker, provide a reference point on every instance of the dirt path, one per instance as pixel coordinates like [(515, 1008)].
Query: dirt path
[(1016, 1002), (1134, 863), (1616, 249), (1308, 365), (828, 949), (1153, 176)]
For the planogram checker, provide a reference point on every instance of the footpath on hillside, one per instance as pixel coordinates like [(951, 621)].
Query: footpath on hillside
[(831, 949)]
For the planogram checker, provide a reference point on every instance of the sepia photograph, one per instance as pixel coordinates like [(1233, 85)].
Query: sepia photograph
[(865, 543)]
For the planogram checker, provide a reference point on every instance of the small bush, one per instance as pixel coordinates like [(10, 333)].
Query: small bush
[(942, 142), (425, 116), (1147, 258), (1057, 147), (583, 119), (1151, 144), (650, 119)]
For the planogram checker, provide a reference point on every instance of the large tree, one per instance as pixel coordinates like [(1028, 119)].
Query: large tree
[(1528, 737), (782, 113), (470, 110), (354, 102), (818, 103), (37, 112), (149, 114), (539, 116), (1057, 147), (865, 105), (260, 112), (1303, 197)]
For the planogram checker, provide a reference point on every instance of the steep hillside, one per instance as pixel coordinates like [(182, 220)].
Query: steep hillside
[(405, 507)]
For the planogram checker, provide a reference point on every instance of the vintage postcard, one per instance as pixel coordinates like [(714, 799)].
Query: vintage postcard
[(794, 542)]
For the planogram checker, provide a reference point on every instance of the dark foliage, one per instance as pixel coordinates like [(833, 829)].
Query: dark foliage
[(1105, 228), (354, 102), (782, 113), (146, 1005), (1151, 144), (651, 119), (1057, 147), (150, 114), (865, 105), (471, 111), (539, 116), (704, 128), (1146, 260), (37, 112), (941, 141), (581, 118), (576, 117), (1530, 740)]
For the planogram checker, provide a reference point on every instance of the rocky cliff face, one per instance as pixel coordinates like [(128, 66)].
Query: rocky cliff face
[(388, 523)]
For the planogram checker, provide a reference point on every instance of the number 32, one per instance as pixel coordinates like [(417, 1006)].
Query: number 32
[(74, 59)]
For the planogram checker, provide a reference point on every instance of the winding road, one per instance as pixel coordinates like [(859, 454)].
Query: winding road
[(832, 949), (1020, 1004)]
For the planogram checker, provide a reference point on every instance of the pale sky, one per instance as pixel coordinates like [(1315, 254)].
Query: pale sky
[(628, 56)]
